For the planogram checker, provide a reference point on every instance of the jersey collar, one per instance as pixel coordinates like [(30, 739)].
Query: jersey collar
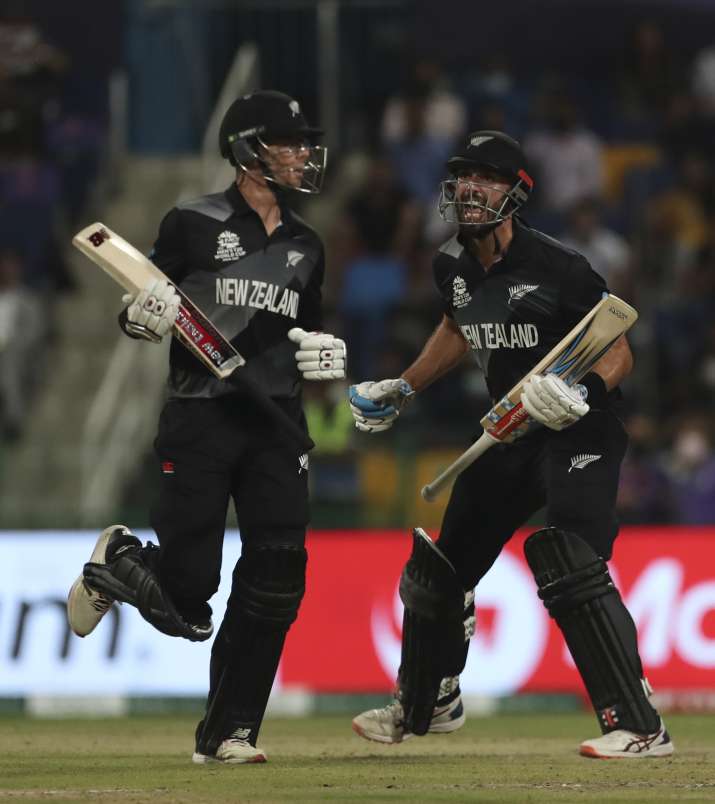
[(241, 207), (513, 254)]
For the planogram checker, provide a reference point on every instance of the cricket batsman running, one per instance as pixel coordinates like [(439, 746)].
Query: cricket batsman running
[(510, 294), (256, 269)]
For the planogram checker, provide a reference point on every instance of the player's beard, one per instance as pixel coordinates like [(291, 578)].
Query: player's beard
[(476, 209)]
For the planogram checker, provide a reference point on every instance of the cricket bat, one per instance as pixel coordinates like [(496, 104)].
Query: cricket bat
[(572, 357), (128, 267), (132, 270)]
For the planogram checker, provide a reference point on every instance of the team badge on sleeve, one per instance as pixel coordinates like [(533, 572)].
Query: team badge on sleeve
[(460, 295)]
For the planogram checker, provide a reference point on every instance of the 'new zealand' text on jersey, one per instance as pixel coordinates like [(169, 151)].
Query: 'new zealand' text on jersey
[(517, 311), (253, 287)]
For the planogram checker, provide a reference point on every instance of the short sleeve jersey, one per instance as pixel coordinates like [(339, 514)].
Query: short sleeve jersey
[(517, 311), (253, 287)]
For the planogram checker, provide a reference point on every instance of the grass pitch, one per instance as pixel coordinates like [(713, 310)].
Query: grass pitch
[(146, 760)]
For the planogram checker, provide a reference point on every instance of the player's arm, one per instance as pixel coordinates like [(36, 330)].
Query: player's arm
[(151, 313), (376, 405), (614, 366), (546, 397), (443, 351), (550, 401)]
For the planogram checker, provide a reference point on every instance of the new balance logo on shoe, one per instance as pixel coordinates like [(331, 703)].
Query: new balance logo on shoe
[(517, 292), (241, 734), (581, 461)]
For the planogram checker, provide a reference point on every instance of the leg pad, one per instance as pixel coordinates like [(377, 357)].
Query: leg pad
[(128, 578), (578, 592), (433, 630), (268, 586)]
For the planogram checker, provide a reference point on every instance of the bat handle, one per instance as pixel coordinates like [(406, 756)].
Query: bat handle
[(273, 410), (449, 475)]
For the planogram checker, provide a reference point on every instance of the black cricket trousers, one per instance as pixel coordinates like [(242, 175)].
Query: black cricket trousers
[(211, 451), (574, 473)]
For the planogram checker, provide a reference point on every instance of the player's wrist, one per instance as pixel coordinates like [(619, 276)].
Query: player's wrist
[(596, 390), (408, 387)]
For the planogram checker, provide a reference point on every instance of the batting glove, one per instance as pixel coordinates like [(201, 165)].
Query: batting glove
[(320, 356), (551, 402), (376, 405), (152, 312)]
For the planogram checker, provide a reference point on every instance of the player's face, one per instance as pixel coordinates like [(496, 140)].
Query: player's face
[(286, 160), (479, 195)]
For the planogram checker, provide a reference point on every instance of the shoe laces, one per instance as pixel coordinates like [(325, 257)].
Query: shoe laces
[(395, 711), (100, 603)]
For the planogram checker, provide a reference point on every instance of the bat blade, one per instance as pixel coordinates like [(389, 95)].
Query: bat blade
[(128, 267), (572, 357)]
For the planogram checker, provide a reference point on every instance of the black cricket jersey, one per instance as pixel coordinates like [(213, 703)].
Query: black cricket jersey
[(253, 287), (517, 311)]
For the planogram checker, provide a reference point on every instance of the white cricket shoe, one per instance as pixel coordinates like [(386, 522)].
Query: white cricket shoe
[(622, 744), (233, 751), (386, 725), (85, 606)]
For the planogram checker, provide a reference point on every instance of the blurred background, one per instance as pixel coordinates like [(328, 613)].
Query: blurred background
[(110, 112)]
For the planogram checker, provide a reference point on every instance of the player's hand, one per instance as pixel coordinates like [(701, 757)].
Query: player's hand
[(320, 356), (376, 405), (152, 312), (550, 401)]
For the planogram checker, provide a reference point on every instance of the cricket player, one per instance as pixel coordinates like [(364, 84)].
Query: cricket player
[(256, 269), (510, 293)]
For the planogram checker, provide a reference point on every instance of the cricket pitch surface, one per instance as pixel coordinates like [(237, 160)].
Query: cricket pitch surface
[(534, 757)]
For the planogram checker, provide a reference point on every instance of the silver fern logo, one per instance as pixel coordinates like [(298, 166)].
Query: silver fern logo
[(582, 461), (303, 461), (517, 292), (294, 257)]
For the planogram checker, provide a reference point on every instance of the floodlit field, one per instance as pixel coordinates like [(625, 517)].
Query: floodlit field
[(510, 758)]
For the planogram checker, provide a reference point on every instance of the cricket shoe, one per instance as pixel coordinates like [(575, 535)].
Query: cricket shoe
[(233, 751), (386, 725), (622, 744), (86, 606)]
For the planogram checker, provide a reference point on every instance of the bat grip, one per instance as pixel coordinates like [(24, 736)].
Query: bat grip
[(449, 475), (273, 410)]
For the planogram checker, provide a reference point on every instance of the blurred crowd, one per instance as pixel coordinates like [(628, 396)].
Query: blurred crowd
[(48, 161), (624, 174), (624, 171)]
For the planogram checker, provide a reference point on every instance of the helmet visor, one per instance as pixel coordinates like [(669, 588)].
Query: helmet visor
[(470, 202), (294, 165)]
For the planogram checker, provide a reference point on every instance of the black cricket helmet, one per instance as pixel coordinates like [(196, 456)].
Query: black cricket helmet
[(477, 204), (265, 118)]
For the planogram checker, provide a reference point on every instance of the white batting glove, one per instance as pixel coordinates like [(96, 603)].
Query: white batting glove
[(320, 356), (152, 312), (376, 405), (550, 401)]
